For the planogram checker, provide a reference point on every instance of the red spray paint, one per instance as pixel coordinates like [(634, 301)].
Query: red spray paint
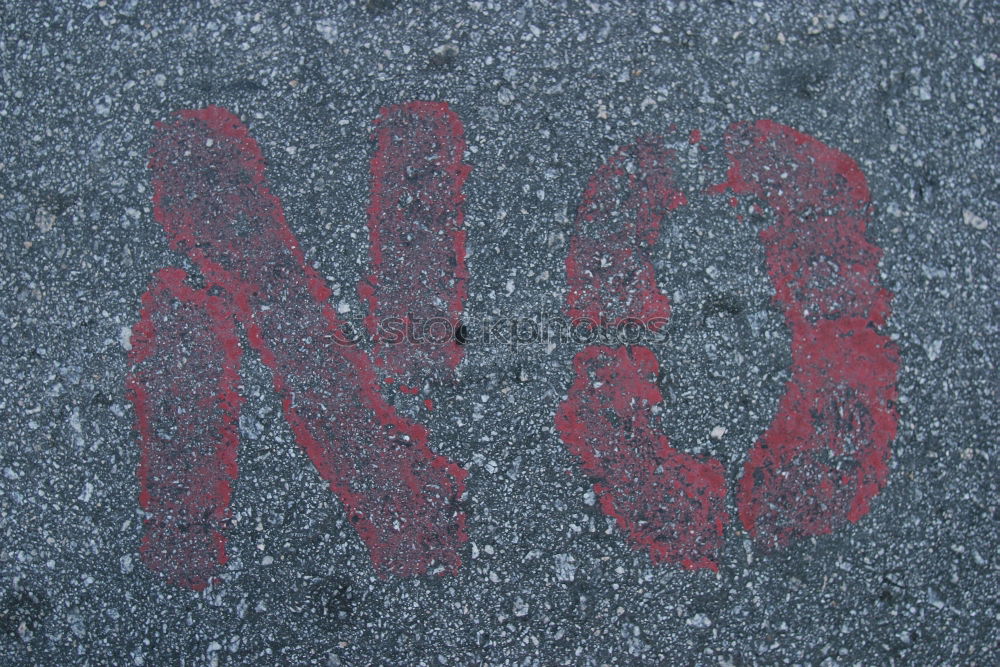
[(609, 268), (668, 503), (819, 463), (825, 454), (185, 362), (212, 199), (416, 290)]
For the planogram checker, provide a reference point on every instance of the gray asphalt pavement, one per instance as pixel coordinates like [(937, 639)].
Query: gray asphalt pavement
[(546, 92)]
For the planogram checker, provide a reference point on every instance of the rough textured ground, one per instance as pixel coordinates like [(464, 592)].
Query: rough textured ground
[(546, 91)]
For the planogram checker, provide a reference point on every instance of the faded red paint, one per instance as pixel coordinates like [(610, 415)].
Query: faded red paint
[(417, 240), (817, 466), (212, 199), (668, 503), (825, 454), (184, 381), (609, 267)]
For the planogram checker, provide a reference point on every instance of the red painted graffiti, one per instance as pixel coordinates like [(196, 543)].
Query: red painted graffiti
[(817, 466), (609, 268), (416, 290), (825, 454), (669, 503), (186, 359), (212, 199)]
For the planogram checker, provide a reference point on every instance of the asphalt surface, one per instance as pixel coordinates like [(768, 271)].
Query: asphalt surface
[(546, 91)]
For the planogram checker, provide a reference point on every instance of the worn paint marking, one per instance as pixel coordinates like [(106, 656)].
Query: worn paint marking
[(825, 454), (212, 199), (416, 290), (668, 503), (609, 267), (185, 361)]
